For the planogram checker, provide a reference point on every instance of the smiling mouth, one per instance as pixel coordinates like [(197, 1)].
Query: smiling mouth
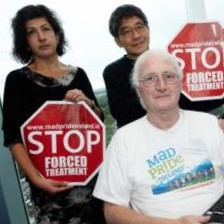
[(138, 44)]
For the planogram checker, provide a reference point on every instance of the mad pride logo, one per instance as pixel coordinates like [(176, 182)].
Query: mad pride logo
[(169, 172)]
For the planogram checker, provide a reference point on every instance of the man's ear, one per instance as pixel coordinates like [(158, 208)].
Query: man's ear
[(118, 42), (137, 91)]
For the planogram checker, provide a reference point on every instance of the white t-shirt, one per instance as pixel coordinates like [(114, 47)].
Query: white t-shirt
[(165, 173)]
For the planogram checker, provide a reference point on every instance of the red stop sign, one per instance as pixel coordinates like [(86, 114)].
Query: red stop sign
[(65, 141), (198, 47)]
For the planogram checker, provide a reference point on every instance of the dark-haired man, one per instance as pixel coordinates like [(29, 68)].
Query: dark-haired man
[(130, 29)]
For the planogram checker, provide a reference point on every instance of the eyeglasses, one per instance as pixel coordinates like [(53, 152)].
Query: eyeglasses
[(127, 32), (152, 78)]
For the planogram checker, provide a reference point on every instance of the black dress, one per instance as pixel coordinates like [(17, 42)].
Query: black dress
[(25, 91)]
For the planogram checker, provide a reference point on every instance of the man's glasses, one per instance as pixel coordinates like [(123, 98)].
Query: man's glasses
[(152, 78), (127, 32)]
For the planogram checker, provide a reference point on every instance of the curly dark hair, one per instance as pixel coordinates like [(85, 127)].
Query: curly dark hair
[(121, 12), (20, 49)]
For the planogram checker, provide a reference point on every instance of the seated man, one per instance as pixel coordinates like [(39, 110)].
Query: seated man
[(166, 167)]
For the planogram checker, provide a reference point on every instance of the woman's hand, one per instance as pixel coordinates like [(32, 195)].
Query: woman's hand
[(52, 186), (76, 95)]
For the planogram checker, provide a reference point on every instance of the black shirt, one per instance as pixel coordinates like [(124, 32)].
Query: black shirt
[(122, 99)]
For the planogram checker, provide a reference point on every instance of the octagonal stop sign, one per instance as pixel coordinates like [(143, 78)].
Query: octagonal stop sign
[(198, 48), (65, 141)]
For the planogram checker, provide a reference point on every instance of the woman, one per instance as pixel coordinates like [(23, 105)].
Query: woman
[(39, 40)]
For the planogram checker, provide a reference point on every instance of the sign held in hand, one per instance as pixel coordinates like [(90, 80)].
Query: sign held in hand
[(65, 141)]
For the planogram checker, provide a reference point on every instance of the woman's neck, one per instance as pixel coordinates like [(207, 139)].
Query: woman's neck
[(49, 68)]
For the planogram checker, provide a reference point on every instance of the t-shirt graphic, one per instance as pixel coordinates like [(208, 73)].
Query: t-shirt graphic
[(171, 171)]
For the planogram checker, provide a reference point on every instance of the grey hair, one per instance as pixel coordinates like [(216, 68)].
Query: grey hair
[(147, 55)]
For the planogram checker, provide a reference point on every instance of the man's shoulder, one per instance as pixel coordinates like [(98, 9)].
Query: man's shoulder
[(118, 65), (119, 68), (134, 126), (199, 115)]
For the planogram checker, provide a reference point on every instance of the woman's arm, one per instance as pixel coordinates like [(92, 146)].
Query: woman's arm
[(21, 156)]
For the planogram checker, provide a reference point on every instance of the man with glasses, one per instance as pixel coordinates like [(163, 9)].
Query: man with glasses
[(129, 27), (166, 167)]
